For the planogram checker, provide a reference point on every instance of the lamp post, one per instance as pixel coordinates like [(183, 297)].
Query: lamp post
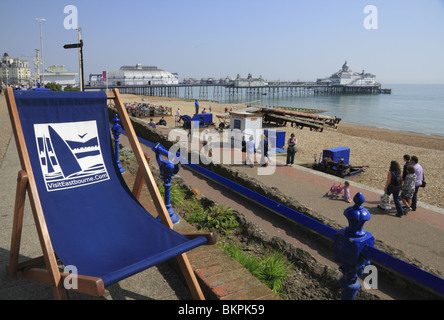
[(41, 20), (82, 82)]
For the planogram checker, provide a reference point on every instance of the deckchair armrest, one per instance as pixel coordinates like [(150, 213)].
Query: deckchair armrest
[(211, 237)]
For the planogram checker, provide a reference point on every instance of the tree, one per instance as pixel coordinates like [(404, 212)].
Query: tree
[(71, 88), (53, 86)]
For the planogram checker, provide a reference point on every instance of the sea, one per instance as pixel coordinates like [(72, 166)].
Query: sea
[(417, 108)]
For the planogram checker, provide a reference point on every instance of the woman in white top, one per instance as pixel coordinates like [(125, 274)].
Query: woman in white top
[(250, 147)]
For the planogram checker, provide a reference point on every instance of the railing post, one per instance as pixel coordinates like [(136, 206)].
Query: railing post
[(349, 243), (116, 133), (167, 170)]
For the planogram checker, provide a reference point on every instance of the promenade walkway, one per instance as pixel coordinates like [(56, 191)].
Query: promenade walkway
[(419, 234)]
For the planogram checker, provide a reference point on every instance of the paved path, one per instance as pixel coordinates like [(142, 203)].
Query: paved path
[(419, 234)]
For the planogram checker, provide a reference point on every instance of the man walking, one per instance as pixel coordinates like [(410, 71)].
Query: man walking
[(419, 171)]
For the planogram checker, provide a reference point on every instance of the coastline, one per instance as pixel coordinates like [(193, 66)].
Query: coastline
[(371, 146), (413, 139)]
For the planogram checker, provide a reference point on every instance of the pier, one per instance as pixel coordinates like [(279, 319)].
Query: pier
[(213, 91)]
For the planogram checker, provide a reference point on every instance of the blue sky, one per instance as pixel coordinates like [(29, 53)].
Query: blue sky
[(280, 39)]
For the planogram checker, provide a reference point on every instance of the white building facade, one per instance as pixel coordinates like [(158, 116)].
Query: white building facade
[(249, 81), (138, 76), (60, 75), (346, 76), (14, 71)]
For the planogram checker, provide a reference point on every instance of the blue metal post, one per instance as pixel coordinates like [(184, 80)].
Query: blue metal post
[(116, 133), (167, 170), (349, 243)]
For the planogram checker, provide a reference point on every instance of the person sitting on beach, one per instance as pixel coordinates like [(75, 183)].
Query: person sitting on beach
[(408, 188), (152, 124), (162, 122), (204, 110)]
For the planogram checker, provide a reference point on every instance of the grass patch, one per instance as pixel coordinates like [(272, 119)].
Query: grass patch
[(177, 194), (271, 269)]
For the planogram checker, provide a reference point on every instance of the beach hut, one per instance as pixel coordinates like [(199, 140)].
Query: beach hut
[(244, 124)]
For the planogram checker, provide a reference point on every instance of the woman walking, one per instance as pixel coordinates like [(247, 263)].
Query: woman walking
[(393, 185)]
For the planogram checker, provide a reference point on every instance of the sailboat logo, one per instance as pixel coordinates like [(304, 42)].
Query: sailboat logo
[(70, 154)]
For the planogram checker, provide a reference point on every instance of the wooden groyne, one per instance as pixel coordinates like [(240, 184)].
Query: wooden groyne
[(300, 119)]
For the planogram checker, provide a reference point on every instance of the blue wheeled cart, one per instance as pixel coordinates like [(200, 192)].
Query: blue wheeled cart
[(336, 161)]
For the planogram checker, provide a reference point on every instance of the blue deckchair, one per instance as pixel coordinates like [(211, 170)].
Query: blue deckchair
[(85, 214)]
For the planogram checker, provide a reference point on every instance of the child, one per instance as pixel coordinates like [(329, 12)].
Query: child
[(346, 196), (408, 188)]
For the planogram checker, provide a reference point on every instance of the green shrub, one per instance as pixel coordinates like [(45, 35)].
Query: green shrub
[(220, 218)]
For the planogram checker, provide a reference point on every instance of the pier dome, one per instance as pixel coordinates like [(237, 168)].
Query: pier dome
[(141, 75), (345, 76)]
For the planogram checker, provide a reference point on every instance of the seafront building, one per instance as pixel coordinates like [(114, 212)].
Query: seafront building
[(60, 75), (14, 71), (249, 81), (137, 75), (345, 76)]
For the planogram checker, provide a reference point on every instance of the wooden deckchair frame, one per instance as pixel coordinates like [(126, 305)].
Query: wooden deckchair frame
[(34, 269)]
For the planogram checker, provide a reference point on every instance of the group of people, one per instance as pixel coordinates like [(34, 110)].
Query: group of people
[(162, 122), (142, 110), (250, 149), (404, 184)]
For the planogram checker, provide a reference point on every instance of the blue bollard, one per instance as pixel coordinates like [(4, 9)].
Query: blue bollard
[(349, 243), (167, 170), (116, 133)]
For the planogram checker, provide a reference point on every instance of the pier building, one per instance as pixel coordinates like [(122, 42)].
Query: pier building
[(60, 75), (249, 81), (345, 76), (137, 75), (345, 81)]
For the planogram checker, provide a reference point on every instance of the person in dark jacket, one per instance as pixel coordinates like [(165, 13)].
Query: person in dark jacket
[(393, 185)]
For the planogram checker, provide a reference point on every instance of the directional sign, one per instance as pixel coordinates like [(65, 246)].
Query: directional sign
[(73, 45)]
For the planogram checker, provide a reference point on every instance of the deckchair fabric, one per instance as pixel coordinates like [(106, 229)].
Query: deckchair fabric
[(94, 221)]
